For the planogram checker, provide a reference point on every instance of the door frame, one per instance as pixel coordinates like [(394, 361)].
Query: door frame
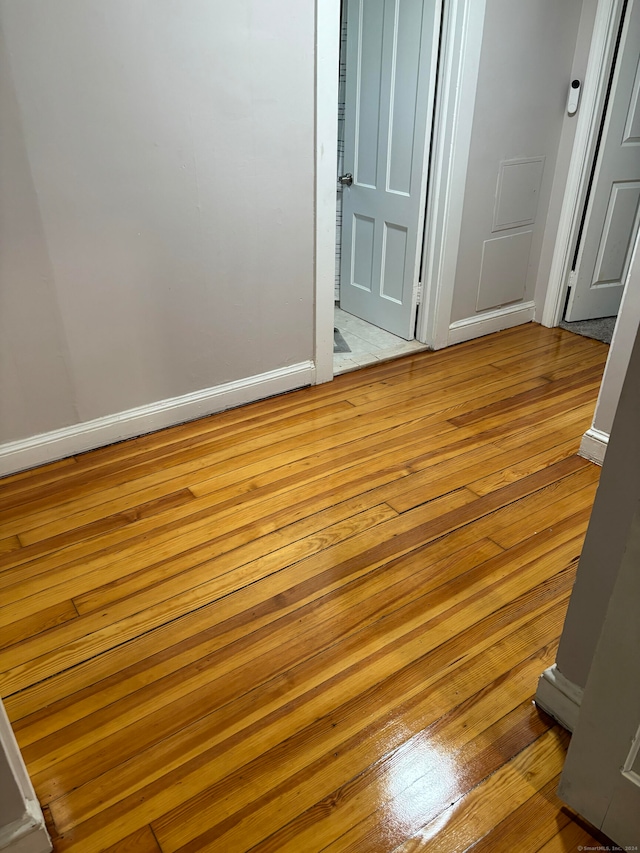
[(462, 28), (594, 90)]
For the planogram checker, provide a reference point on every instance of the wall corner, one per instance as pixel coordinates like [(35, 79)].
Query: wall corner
[(22, 824)]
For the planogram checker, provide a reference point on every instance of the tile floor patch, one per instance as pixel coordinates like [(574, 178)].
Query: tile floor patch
[(368, 344)]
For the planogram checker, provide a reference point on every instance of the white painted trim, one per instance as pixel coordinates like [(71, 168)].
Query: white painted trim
[(462, 42), (592, 100), (326, 171), (490, 321), (27, 834), (14, 756), (49, 446), (463, 23), (559, 697), (418, 307), (594, 445)]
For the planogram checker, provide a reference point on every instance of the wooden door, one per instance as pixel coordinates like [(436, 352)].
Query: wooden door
[(391, 70)]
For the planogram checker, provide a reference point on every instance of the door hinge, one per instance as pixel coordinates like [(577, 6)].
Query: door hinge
[(572, 278), (418, 293)]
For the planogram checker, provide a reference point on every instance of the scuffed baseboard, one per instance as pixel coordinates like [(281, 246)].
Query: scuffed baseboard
[(594, 445), (559, 697), (27, 835)]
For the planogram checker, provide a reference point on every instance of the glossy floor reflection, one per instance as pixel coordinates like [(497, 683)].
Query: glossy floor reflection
[(315, 623)]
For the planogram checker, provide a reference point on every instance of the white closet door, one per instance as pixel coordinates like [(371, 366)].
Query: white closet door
[(613, 213)]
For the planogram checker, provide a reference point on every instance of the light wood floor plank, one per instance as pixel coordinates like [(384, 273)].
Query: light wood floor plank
[(550, 453), (174, 833), (140, 529), (39, 519), (356, 627), (572, 836), (10, 543), (476, 813), (200, 800), (193, 776), (543, 822), (174, 538), (131, 617), (39, 622), (166, 649), (349, 808), (76, 511), (313, 623), (189, 460)]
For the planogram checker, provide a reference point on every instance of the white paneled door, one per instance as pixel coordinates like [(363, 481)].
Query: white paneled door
[(613, 212), (391, 70)]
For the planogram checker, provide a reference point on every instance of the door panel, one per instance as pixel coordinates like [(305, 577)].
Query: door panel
[(618, 234), (363, 242), (394, 255), (365, 97), (612, 217), (404, 93), (391, 59)]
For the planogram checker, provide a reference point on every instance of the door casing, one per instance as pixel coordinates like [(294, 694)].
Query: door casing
[(601, 266), (462, 29), (463, 22), (594, 90)]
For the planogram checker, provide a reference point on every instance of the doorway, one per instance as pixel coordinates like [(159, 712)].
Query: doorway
[(459, 57), (610, 216), (386, 99), (358, 343), (601, 208)]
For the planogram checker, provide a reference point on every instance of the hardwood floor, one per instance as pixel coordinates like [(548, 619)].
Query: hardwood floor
[(315, 623)]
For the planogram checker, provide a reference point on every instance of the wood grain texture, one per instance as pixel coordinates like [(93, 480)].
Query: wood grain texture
[(314, 623)]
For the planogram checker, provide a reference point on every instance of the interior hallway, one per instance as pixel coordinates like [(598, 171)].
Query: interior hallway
[(314, 623)]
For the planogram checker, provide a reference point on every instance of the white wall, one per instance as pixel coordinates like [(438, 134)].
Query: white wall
[(156, 213), (613, 510), (525, 69), (560, 688), (11, 803)]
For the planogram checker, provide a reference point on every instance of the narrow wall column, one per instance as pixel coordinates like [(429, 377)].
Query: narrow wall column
[(596, 438), (22, 827), (560, 688)]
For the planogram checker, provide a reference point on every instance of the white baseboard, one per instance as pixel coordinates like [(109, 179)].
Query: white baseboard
[(49, 446), (490, 321), (559, 697), (28, 834), (594, 445)]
